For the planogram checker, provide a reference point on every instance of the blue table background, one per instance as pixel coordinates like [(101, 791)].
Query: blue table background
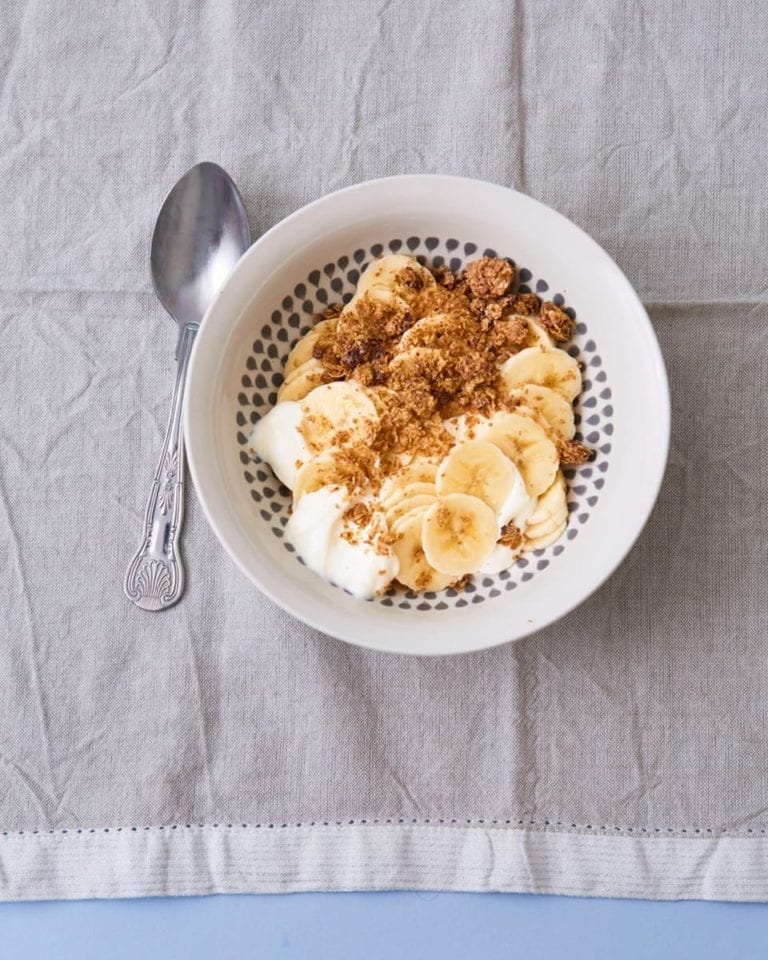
[(380, 926)]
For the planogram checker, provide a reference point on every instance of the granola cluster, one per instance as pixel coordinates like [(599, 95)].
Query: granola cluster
[(572, 453)]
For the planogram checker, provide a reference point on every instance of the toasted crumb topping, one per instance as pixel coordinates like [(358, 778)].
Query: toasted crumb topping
[(422, 580), (573, 454), (508, 335), (445, 277), (525, 304), (511, 536), (359, 513), (556, 322), (489, 277)]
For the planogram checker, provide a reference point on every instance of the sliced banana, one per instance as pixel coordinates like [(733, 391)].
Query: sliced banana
[(552, 501), (429, 330), (551, 510), (538, 543), (527, 445), (459, 534), (404, 519), (467, 426), (303, 349), (336, 414), (548, 406), (303, 379), (401, 275), (544, 528), (544, 520), (480, 469), (537, 335), (309, 364), (417, 362), (415, 571), (547, 368), (394, 304), (409, 490), (420, 501), (322, 471), (419, 470)]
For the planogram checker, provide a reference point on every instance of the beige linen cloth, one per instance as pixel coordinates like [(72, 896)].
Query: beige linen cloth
[(223, 746)]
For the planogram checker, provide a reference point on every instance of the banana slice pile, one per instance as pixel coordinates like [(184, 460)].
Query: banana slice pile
[(448, 519), (550, 518), (499, 491)]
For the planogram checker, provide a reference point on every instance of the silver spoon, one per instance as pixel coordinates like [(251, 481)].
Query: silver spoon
[(200, 234)]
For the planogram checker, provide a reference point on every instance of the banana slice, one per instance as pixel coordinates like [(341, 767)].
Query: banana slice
[(547, 518), (335, 414), (322, 471), (303, 379), (309, 364), (420, 501), (537, 335), (538, 543), (409, 490), (467, 426), (393, 304), (544, 528), (417, 362), (434, 329), (480, 469), (415, 572), (551, 510), (404, 519), (459, 534), (303, 349), (549, 407), (419, 470), (334, 467), (552, 501), (401, 275), (527, 445), (547, 368)]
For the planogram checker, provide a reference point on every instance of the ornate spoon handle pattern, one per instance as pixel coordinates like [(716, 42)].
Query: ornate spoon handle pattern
[(155, 576)]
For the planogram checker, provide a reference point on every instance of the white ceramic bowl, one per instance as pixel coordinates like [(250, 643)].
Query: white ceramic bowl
[(314, 257)]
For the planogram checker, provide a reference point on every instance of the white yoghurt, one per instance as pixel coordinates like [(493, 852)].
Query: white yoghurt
[(501, 558), (276, 438), (519, 505), (315, 529), (524, 513)]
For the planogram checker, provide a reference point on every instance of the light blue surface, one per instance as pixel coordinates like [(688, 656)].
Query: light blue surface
[(380, 926)]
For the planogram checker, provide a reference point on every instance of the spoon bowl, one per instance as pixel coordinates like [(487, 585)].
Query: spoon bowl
[(201, 232)]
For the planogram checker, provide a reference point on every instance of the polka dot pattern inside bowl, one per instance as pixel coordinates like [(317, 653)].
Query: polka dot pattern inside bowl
[(336, 282)]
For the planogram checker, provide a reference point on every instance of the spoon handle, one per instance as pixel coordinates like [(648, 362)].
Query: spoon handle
[(155, 577)]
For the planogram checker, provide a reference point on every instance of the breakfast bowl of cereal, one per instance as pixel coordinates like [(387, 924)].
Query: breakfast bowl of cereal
[(427, 415)]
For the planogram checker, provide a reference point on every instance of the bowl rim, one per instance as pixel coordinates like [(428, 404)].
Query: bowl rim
[(660, 448)]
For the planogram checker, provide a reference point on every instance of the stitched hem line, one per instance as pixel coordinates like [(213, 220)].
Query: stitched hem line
[(519, 823)]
